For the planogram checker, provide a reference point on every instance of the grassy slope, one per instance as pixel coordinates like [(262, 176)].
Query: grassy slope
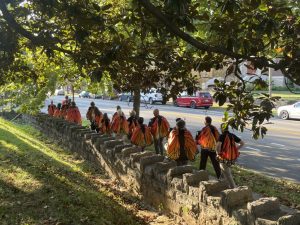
[(42, 184)]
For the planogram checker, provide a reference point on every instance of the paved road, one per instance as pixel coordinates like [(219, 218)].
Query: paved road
[(278, 154)]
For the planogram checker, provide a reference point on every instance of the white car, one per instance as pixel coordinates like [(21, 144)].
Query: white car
[(59, 92), (152, 96), (289, 111)]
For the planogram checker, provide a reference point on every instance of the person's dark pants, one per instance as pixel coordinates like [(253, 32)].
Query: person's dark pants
[(181, 162), (158, 145), (213, 158)]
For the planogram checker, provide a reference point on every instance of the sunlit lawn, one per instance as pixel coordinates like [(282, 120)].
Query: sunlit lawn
[(42, 184)]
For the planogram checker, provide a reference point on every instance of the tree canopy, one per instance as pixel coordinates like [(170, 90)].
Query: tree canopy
[(139, 44)]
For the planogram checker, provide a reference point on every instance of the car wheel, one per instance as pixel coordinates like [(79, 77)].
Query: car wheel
[(193, 105), (206, 107), (284, 115), (151, 101)]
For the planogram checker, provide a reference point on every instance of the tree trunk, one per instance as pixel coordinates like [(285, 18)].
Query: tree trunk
[(137, 100), (72, 89)]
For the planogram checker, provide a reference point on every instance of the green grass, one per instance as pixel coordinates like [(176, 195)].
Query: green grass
[(40, 183)]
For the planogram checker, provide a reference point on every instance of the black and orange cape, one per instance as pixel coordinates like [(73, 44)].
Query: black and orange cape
[(160, 127), (105, 126), (173, 149), (95, 115), (142, 136), (73, 115), (119, 124), (57, 113), (51, 109), (208, 138)]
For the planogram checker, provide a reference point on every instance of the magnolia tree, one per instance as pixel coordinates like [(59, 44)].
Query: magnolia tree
[(140, 43)]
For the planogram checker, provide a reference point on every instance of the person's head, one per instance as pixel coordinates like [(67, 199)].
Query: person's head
[(156, 112), (118, 107), (51, 102), (177, 119), (92, 104), (132, 113), (105, 116), (59, 105), (66, 97), (73, 104), (180, 124), (70, 102), (140, 120), (224, 127), (208, 120)]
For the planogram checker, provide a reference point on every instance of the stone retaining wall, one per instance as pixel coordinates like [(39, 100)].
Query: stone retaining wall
[(182, 191)]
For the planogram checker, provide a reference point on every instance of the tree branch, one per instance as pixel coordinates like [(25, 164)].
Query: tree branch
[(186, 37), (36, 40)]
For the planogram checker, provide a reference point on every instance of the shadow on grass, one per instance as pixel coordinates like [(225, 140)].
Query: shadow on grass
[(62, 194)]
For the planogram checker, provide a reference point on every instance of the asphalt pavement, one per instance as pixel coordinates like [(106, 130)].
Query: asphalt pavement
[(276, 155)]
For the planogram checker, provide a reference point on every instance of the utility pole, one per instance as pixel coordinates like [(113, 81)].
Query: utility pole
[(270, 82)]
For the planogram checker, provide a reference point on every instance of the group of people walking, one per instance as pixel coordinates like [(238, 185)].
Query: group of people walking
[(181, 146), (66, 110)]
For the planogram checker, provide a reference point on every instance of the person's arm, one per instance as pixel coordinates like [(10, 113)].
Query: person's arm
[(240, 145)]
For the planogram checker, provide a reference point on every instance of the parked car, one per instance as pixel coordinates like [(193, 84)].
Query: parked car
[(127, 96), (289, 111), (95, 96), (84, 94), (200, 99), (59, 92), (152, 97)]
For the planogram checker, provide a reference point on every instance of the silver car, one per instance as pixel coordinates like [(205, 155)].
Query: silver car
[(289, 111)]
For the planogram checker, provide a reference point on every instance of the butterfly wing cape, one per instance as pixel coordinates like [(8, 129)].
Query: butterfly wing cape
[(119, 124), (160, 130), (207, 138), (73, 115), (173, 149), (141, 138), (229, 152)]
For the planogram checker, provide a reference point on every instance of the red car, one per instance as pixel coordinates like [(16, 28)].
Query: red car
[(201, 99)]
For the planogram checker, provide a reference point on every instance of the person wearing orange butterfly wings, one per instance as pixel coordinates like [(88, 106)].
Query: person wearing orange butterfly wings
[(57, 112), (228, 153), (94, 115), (119, 124), (160, 129), (51, 108), (207, 139), (141, 135), (73, 114), (181, 145)]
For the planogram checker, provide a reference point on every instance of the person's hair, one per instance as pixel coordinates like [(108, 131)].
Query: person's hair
[(73, 103), (59, 105), (180, 124), (105, 116), (140, 120), (155, 111), (177, 119), (92, 103), (118, 107), (132, 113), (208, 119), (66, 97)]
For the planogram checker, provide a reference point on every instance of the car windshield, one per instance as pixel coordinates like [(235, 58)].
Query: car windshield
[(204, 95)]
